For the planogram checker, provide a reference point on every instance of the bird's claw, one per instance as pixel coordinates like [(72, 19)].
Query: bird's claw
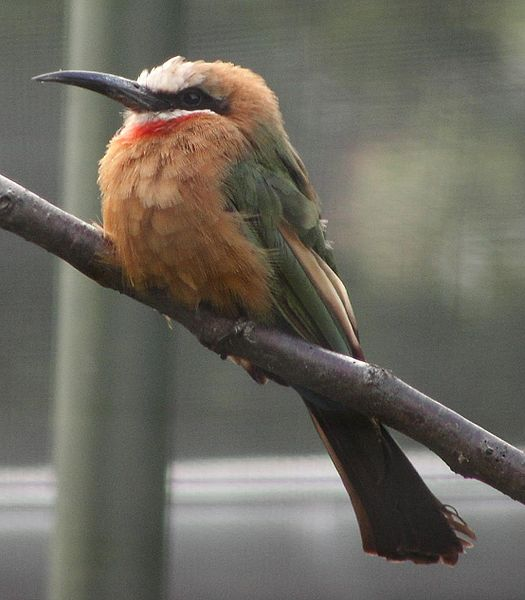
[(242, 327)]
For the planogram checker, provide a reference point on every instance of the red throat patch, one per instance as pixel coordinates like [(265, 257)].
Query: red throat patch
[(156, 127)]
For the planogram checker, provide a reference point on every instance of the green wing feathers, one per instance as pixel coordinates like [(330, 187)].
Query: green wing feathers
[(307, 292)]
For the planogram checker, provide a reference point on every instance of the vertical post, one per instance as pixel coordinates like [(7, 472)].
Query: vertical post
[(111, 423)]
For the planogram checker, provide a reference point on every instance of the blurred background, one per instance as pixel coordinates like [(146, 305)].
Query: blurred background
[(410, 116)]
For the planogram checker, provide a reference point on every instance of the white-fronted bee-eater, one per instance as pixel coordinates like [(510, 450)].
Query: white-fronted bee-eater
[(204, 195)]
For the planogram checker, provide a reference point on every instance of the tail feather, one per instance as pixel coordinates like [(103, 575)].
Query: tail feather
[(399, 517)]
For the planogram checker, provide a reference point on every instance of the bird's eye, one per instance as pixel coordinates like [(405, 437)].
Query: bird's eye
[(191, 99)]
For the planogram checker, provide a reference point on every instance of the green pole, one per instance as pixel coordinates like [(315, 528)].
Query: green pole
[(111, 424)]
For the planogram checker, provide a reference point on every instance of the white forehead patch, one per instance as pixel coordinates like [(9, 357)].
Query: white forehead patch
[(174, 75)]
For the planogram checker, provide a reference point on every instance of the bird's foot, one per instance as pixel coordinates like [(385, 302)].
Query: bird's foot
[(242, 327)]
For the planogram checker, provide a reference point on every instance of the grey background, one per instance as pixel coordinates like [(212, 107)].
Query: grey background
[(410, 117)]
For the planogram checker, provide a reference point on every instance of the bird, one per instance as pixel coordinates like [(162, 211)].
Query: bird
[(204, 195)]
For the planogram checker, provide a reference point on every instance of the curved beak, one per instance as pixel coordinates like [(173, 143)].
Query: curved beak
[(126, 91)]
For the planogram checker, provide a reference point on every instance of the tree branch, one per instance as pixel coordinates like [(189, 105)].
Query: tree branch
[(468, 449)]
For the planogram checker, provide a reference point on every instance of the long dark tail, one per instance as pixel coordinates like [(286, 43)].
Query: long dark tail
[(398, 515)]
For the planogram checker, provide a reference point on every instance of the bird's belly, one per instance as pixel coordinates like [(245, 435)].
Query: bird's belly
[(199, 255)]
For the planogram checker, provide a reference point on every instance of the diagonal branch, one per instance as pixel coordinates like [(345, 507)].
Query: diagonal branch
[(468, 449)]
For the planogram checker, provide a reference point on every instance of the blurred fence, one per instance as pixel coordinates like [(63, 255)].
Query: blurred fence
[(410, 117)]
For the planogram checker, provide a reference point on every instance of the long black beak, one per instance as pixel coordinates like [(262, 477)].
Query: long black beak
[(126, 91)]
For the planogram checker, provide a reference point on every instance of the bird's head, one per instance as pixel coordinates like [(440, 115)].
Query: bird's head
[(181, 89)]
